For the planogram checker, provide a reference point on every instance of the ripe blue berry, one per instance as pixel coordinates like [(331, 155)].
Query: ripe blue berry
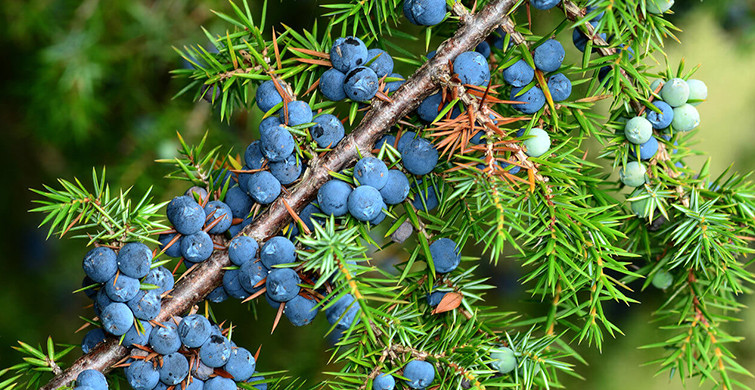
[(300, 311), (240, 364), (503, 360), (145, 305), (430, 54), (282, 284), (434, 298), (117, 318), (135, 336), (91, 339), (396, 187), (419, 374), (232, 285), (538, 144), (242, 249), (383, 382), (343, 312), (185, 214), (121, 288), (327, 131), (134, 259), (263, 187), (164, 338), (662, 120), (331, 85), (217, 295), (698, 91), (445, 255), (100, 264), (429, 109), (234, 230), (559, 87), (160, 277), (333, 197), (426, 198), (307, 217), (215, 351), (647, 150), (217, 209), (365, 203), (425, 12), (483, 48), (393, 86), (196, 247), (633, 175), (406, 138), (675, 92), (142, 375), (220, 383), (382, 63), (361, 84), (549, 56), (580, 39), (386, 139), (638, 130), (286, 171), (101, 300), (194, 384), (472, 68), (348, 53), (93, 379), (277, 250), (686, 118), (372, 172), (194, 330), (519, 74), (590, 8), (299, 113), (250, 274), (419, 157), (238, 201), (253, 157), (267, 96), (174, 369), (533, 100), (257, 378), (175, 249), (278, 143)]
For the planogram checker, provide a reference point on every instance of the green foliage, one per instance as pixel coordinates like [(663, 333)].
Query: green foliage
[(36, 368), (98, 215)]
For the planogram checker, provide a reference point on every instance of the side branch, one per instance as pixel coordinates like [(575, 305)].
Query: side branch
[(201, 281)]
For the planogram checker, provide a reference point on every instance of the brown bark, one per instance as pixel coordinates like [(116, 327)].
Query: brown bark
[(195, 285)]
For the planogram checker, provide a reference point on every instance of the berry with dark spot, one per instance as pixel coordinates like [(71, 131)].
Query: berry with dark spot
[(348, 53), (185, 214), (327, 131), (282, 284), (365, 203), (242, 249), (286, 171), (419, 374), (164, 338), (145, 305), (361, 84), (472, 68), (197, 247), (277, 250), (194, 330), (263, 187), (559, 87), (371, 171), (240, 364), (278, 143), (117, 318), (217, 209), (381, 62), (174, 369), (142, 375), (419, 157)]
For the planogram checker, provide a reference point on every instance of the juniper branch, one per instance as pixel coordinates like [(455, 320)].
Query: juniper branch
[(382, 116)]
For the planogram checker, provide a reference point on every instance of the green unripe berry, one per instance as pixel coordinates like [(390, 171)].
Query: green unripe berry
[(686, 118), (675, 92), (697, 91), (638, 207), (504, 360), (658, 6), (663, 280), (638, 130), (654, 85), (538, 144), (633, 174)]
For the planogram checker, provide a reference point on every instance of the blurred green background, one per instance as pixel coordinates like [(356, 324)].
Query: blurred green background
[(87, 83)]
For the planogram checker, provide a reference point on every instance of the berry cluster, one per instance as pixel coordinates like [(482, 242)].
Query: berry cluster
[(419, 374), (189, 353), (548, 58), (357, 71), (124, 287), (675, 113)]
